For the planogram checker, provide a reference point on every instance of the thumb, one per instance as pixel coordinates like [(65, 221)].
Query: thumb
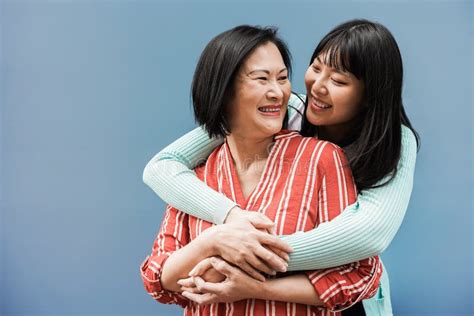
[(201, 267), (222, 266)]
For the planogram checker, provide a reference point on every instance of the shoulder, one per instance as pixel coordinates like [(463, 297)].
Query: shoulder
[(296, 101), (309, 147), (208, 163), (409, 151), (408, 137), (295, 111), (409, 142)]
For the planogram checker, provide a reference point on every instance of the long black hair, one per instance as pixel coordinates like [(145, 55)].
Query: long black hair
[(218, 65), (369, 51)]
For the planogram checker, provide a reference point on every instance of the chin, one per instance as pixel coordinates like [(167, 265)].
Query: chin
[(315, 119), (272, 130)]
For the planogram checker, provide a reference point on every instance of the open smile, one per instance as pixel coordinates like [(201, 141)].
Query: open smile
[(318, 105), (270, 110)]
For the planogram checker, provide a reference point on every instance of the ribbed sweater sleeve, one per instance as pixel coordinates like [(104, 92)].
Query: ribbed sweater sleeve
[(169, 173), (365, 228)]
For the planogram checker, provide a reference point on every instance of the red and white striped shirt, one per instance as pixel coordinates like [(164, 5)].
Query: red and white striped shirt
[(305, 182)]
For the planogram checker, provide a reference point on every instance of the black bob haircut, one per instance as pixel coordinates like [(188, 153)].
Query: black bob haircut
[(216, 70), (369, 51)]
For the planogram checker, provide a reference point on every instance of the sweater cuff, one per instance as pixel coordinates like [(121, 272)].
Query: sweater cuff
[(222, 209)]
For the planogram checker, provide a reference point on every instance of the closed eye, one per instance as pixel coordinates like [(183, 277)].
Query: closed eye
[(338, 82), (316, 69)]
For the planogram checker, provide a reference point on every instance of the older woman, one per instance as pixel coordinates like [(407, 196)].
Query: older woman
[(240, 92)]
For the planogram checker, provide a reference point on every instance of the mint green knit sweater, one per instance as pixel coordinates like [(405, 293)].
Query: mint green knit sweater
[(363, 230)]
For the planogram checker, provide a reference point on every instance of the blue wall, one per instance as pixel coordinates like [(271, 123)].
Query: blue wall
[(90, 90)]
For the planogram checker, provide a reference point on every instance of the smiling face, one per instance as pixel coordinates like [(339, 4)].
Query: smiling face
[(261, 91), (334, 98)]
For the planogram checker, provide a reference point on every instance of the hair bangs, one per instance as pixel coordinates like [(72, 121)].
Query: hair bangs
[(340, 51)]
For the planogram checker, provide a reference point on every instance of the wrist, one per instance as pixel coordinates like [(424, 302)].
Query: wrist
[(207, 241), (232, 214), (264, 290)]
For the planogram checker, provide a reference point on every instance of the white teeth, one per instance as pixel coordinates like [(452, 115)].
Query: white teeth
[(268, 110), (322, 105)]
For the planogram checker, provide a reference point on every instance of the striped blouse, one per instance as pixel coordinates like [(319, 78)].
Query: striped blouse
[(306, 182)]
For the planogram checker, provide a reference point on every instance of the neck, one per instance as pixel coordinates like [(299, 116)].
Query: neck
[(333, 134), (340, 134), (247, 151)]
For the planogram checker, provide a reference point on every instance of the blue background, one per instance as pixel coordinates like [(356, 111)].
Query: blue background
[(90, 90)]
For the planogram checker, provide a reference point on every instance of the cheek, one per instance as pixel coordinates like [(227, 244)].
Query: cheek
[(308, 80), (287, 90), (349, 103)]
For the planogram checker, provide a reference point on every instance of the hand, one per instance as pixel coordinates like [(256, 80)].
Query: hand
[(206, 271), (249, 249), (255, 219), (236, 286)]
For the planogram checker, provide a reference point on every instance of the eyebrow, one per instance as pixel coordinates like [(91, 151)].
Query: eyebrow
[(344, 73), (266, 71)]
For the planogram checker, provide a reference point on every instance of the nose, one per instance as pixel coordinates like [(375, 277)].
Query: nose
[(319, 86), (275, 91)]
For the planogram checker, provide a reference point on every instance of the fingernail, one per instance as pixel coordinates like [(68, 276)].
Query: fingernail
[(192, 272), (283, 268)]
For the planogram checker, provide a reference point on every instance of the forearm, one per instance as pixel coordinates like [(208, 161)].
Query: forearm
[(182, 261), (294, 289), (364, 229), (170, 176)]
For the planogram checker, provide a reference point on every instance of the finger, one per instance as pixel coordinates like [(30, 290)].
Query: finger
[(190, 289), (222, 266), (261, 221), (274, 241), (271, 230), (186, 282), (280, 253), (260, 265), (201, 267), (271, 259), (208, 287), (201, 299), (250, 270)]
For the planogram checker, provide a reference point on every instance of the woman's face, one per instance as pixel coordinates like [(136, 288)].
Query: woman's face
[(261, 91), (334, 97)]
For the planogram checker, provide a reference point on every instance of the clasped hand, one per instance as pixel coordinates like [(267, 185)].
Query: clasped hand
[(246, 248), (213, 280)]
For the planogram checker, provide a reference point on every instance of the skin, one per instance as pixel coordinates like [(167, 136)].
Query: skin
[(182, 261), (334, 103), (340, 91), (261, 82), (237, 285)]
